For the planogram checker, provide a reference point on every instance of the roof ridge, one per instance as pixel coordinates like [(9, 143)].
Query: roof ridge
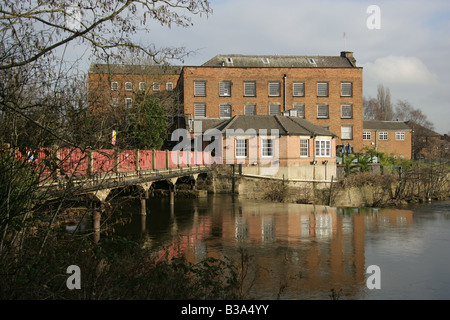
[(279, 122)]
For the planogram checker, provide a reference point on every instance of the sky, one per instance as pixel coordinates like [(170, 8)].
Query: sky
[(405, 45)]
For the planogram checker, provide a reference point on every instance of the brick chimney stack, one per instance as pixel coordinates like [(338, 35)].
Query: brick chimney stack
[(349, 56)]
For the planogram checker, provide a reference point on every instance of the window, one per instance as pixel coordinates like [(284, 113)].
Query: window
[(299, 89), (346, 111), (114, 86), (383, 136), (265, 60), (250, 109), (128, 103), (266, 147), (142, 86), (115, 102), (200, 88), (199, 110), (274, 89), (322, 89), (274, 109), (225, 88), (322, 111), (225, 111), (128, 86), (399, 136), (156, 86), (346, 132), (250, 89), (304, 147), (346, 89), (323, 148), (169, 86), (300, 108), (367, 135), (241, 148)]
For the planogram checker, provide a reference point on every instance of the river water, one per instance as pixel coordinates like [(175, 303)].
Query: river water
[(303, 251)]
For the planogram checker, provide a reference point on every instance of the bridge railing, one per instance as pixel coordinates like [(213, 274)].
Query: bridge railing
[(86, 163)]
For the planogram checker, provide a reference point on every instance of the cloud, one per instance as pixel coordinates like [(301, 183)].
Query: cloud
[(399, 70)]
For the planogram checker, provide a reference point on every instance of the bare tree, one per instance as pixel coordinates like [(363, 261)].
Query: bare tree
[(379, 108)]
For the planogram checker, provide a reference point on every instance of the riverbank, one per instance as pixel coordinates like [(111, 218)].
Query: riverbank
[(357, 190)]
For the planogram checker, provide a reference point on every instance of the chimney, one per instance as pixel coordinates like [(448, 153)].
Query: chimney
[(349, 56)]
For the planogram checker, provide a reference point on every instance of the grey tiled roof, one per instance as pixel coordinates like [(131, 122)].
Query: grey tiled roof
[(236, 60), (285, 125), (134, 69), (385, 125)]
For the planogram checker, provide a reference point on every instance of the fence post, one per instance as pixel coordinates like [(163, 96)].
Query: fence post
[(137, 161), (116, 160), (153, 160), (90, 168)]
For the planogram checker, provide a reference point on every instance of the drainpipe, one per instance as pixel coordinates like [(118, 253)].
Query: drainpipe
[(284, 92)]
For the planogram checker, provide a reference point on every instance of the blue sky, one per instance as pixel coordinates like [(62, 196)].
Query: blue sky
[(409, 54)]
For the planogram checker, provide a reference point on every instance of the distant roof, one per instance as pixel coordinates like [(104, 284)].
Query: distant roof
[(276, 61), (385, 125), (134, 69), (421, 130), (284, 124)]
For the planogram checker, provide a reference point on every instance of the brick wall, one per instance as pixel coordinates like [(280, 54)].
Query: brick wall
[(262, 76), (391, 146)]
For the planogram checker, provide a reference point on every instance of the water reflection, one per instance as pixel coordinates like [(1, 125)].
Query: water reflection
[(298, 251)]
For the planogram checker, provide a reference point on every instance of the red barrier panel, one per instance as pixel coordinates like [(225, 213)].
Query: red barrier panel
[(103, 161), (173, 159), (184, 158), (127, 161), (160, 160), (145, 160), (74, 162)]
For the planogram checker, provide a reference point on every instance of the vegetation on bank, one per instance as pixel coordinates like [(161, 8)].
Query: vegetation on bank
[(399, 182)]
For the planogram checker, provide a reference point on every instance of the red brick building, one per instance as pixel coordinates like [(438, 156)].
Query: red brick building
[(324, 90), (390, 137)]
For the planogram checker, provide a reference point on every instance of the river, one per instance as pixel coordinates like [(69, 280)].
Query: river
[(303, 251)]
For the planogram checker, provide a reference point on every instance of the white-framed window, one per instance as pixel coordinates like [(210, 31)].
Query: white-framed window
[(346, 89), (346, 132), (367, 135), (274, 89), (322, 111), (267, 145), (199, 110), (115, 102), (304, 148), (383, 135), (250, 109), (323, 148), (225, 111), (114, 86), (225, 88), (322, 89), (346, 111), (274, 109), (142, 86), (299, 89), (200, 88), (300, 108), (241, 148), (128, 86), (169, 86), (156, 86), (249, 89), (128, 103), (399, 136)]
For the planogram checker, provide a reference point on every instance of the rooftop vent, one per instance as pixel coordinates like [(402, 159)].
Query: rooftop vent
[(312, 61)]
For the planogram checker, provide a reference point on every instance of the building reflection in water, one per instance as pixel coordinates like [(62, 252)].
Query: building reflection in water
[(305, 250)]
